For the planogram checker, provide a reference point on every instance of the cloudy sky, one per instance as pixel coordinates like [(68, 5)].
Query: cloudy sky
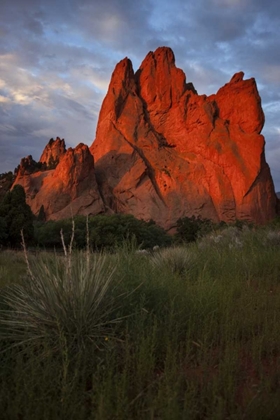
[(57, 56)]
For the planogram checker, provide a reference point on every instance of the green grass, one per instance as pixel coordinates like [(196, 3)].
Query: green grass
[(196, 337), (12, 267)]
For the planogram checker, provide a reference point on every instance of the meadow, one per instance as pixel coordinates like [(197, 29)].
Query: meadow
[(184, 332)]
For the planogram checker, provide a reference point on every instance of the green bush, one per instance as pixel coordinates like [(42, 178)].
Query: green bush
[(189, 228), (105, 232), (177, 260)]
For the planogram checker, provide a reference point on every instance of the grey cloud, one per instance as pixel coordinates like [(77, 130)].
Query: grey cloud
[(58, 56)]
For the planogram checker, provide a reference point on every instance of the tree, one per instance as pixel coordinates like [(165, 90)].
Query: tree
[(3, 231), (41, 215), (17, 216), (189, 228), (6, 181)]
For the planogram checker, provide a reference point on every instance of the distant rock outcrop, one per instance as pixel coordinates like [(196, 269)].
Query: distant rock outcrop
[(67, 190), (49, 159), (27, 166), (52, 153), (163, 152)]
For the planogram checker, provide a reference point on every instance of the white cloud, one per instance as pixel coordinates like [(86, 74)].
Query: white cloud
[(4, 100)]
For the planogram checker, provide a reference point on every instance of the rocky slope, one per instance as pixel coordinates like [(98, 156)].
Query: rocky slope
[(163, 152)]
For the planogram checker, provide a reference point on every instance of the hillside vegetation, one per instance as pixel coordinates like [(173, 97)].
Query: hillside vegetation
[(184, 332)]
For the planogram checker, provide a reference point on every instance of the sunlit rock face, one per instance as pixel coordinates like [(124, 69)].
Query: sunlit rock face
[(52, 153), (163, 152)]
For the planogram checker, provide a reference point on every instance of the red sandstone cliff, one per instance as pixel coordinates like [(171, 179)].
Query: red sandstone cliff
[(163, 152)]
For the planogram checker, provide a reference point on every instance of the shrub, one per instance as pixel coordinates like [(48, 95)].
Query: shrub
[(178, 260), (272, 238), (230, 237), (105, 232), (190, 228)]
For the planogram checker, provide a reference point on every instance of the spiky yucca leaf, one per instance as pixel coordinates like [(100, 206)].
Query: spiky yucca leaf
[(78, 303)]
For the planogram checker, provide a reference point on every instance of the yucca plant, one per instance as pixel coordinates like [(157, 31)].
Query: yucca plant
[(71, 298)]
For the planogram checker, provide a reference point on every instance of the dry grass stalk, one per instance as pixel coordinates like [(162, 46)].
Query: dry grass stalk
[(70, 247), (63, 243), (88, 248), (25, 255)]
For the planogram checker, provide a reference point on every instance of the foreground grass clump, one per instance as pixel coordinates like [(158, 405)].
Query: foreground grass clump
[(201, 342), (177, 260), (61, 299)]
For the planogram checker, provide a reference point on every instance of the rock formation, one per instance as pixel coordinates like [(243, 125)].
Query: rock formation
[(168, 152), (67, 190), (163, 152), (52, 153), (27, 166)]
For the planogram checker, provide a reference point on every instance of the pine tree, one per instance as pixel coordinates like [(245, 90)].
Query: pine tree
[(17, 216), (3, 231), (41, 215)]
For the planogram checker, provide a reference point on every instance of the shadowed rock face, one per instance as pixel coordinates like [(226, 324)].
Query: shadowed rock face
[(163, 152)]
